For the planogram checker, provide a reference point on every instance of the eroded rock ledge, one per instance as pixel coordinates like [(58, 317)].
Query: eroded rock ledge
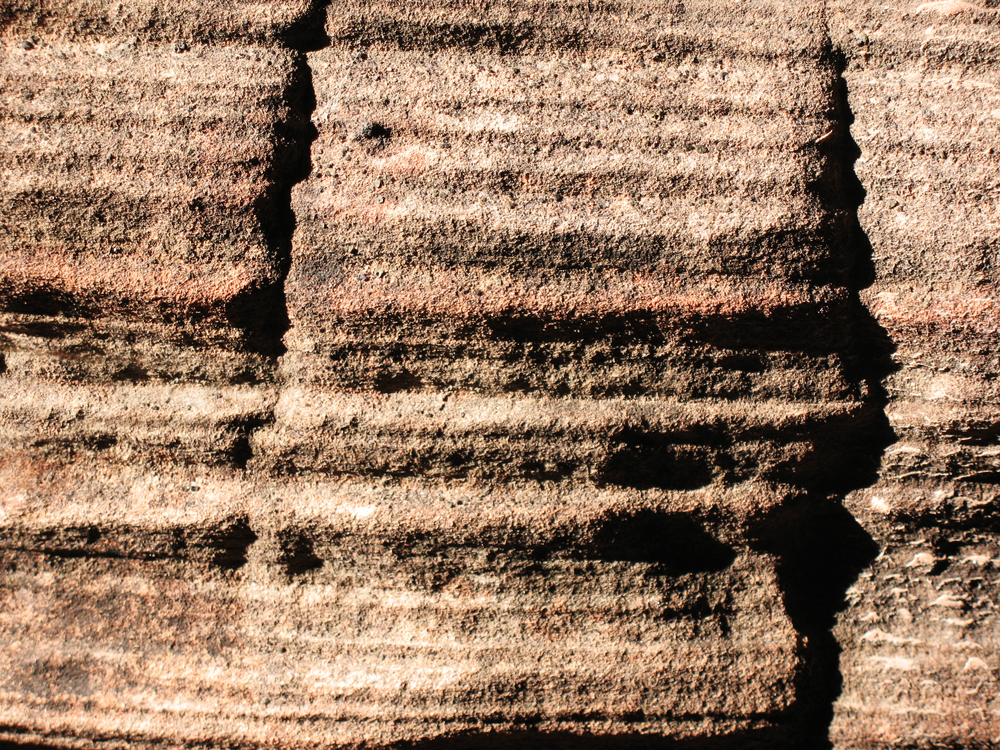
[(469, 374)]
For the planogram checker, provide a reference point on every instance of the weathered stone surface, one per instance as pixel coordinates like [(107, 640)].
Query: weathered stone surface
[(463, 374), (304, 614), (144, 201), (556, 203), (921, 654)]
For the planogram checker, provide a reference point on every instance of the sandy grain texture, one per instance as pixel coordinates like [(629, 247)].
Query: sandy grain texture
[(921, 654), (451, 374)]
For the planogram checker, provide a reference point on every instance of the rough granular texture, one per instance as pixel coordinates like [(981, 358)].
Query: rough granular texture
[(920, 635), (451, 374)]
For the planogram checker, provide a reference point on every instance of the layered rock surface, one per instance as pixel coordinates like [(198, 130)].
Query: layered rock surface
[(147, 157), (525, 414), (921, 651)]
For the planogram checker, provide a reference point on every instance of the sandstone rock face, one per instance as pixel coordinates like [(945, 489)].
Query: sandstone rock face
[(485, 374), (148, 153), (921, 650)]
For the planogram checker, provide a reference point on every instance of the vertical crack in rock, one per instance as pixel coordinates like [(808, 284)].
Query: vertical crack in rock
[(920, 637), (821, 546), (264, 313)]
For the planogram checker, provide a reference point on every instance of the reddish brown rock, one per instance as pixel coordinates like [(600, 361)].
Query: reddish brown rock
[(144, 203), (921, 658), (315, 613), (525, 409)]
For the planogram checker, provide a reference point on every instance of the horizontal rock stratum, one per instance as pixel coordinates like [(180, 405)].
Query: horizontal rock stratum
[(451, 374)]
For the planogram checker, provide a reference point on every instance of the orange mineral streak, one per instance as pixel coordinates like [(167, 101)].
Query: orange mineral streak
[(130, 279), (969, 311), (29, 481), (410, 163), (458, 294)]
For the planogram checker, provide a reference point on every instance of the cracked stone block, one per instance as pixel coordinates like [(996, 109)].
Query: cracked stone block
[(920, 661), (358, 613), (512, 200), (463, 374), (145, 197)]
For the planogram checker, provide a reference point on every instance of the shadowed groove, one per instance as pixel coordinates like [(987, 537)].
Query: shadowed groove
[(821, 547)]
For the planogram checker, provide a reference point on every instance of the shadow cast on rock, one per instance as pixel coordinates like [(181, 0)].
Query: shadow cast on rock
[(821, 549)]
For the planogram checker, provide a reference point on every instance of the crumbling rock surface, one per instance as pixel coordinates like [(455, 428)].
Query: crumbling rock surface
[(450, 374)]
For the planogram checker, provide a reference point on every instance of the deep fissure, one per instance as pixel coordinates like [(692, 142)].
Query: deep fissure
[(821, 547)]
